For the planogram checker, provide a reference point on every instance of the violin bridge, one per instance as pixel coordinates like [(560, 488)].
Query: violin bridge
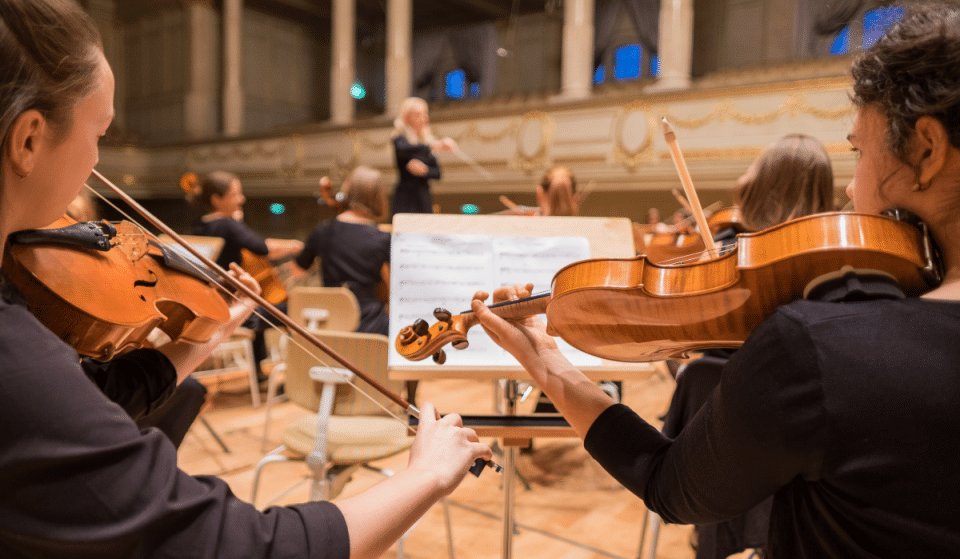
[(130, 240)]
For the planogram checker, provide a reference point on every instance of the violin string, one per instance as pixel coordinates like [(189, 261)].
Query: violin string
[(290, 338)]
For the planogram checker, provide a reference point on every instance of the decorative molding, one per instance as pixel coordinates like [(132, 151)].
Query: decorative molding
[(631, 159), (793, 104), (530, 160)]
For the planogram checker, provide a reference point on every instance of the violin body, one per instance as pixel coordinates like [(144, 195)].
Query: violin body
[(104, 303), (271, 288), (636, 310)]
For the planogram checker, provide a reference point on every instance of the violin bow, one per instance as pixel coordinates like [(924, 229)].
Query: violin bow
[(691, 192), (275, 312), (473, 164)]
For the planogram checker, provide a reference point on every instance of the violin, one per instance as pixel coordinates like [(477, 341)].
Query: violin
[(636, 310), (139, 285), (271, 287)]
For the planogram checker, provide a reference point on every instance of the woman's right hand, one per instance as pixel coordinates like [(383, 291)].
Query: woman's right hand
[(445, 449), (417, 168)]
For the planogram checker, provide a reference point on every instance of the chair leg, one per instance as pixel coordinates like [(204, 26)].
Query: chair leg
[(273, 456), (446, 514), (652, 520), (271, 395)]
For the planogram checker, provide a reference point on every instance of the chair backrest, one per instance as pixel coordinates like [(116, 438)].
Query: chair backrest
[(367, 351), (340, 302)]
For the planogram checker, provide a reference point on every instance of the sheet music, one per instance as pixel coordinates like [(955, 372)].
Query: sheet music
[(441, 270)]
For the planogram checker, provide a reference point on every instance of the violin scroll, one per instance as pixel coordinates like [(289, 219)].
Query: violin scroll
[(420, 340)]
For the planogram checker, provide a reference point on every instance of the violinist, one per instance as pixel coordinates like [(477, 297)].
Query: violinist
[(220, 196), (78, 478), (844, 412), (792, 178)]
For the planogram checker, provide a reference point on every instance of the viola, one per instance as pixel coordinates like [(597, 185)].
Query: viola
[(636, 310), (138, 286)]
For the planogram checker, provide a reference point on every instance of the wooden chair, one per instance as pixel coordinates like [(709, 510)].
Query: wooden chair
[(343, 311)]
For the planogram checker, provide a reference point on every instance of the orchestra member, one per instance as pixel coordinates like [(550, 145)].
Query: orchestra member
[(353, 251), (557, 193), (78, 478), (414, 147), (220, 196), (844, 412)]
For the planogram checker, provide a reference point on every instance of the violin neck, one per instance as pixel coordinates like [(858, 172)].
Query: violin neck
[(522, 308)]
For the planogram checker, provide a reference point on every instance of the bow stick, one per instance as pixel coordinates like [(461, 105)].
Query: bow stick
[(276, 313), (691, 192), (472, 163)]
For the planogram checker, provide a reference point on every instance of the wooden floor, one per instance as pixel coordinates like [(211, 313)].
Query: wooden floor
[(573, 509)]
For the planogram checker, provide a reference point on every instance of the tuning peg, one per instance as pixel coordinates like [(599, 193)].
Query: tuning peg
[(420, 327), (461, 344), (440, 357), (406, 335), (443, 315)]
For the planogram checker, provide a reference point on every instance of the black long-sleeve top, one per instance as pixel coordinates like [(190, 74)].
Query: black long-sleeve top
[(235, 234), (79, 480), (412, 193), (352, 254), (846, 413)]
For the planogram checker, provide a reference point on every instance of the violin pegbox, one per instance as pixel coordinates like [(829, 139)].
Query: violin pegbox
[(417, 341)]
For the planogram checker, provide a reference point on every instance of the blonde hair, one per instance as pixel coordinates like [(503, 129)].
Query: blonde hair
[(401, 128), (363, 193), (794, 178), (561, 197)]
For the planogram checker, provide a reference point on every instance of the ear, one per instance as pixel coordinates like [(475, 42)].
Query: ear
[(932, 143), (26, 135)]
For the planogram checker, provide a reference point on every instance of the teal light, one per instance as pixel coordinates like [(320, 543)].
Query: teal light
[(277, 209), (469, 209), (357, 91)]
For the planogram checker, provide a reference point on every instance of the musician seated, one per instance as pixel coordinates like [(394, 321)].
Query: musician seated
[(843, 413)]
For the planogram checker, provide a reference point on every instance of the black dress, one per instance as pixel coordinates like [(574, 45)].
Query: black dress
[(412, 193), (235, 234), (352, 255)]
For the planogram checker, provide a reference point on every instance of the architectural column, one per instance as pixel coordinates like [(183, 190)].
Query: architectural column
[(576, 71), (232, 64), (104, 14), (342, 65), (399, 53), (200, 118), (676, 44)]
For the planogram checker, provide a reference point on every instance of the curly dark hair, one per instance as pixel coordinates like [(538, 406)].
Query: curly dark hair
[(914, 71)]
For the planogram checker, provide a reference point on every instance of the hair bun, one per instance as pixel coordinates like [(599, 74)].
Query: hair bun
[(190, 183)]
